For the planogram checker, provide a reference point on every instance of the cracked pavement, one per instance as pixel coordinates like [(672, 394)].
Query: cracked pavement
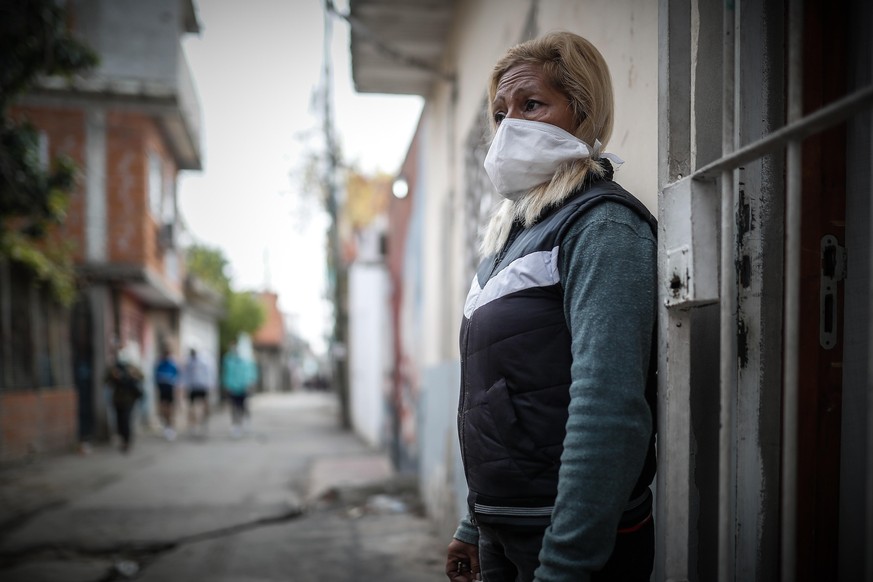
[(296, 499)]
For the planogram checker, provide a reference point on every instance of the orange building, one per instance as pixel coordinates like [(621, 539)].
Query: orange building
[(270, 346)]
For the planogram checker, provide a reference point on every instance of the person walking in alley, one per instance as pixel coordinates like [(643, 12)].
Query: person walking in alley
[(557, 400), (237, 376), (166, 378), (197, 378), (124, 378)]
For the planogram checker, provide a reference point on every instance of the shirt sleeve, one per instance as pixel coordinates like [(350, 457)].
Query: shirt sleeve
[(608, 266), (467, 532)]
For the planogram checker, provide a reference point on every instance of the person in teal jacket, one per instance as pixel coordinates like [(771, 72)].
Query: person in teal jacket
[(237, 377)]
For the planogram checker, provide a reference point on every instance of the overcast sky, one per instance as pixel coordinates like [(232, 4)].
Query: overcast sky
[(256, 65)]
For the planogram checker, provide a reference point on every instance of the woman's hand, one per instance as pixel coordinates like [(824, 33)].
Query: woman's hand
[(462, 562)]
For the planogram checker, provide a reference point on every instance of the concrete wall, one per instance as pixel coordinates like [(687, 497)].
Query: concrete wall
[(403, 262), (441, 473), (137, 41), (626, 33)]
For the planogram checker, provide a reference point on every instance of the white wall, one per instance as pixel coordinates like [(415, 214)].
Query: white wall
[(626, 33), (369, 349)]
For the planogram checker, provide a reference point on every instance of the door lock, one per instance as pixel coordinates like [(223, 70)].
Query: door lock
[(833, 270)]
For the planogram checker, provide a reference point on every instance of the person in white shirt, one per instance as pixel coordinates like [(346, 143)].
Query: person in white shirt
[(197, 378)]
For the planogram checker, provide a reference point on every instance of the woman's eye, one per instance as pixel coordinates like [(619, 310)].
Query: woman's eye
[(498, 117), (530, 105)]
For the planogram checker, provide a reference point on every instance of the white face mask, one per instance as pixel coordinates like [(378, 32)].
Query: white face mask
[(526, 153)]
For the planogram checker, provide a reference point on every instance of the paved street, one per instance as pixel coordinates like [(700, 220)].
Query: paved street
[(294, 500)]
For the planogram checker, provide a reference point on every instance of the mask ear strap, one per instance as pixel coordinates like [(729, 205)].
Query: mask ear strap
[(597, 154), (595, 151)]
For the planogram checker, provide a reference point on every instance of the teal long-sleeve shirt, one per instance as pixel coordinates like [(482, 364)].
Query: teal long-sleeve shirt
[(237, 374), (608, 267)]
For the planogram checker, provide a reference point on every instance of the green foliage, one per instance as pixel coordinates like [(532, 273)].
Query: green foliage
[(243, 311), (34, 41), (244, 314), (50, 265), (208, 264), (34, 197)]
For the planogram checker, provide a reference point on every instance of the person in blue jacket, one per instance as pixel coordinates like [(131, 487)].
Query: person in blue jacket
[(557, 399), (166, 379)]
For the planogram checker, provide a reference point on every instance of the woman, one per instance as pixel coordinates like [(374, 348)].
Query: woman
[(556, 412)]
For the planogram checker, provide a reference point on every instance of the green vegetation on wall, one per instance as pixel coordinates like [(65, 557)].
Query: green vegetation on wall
[(35, 41)]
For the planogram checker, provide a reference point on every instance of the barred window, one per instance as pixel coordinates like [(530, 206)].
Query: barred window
[(34, 338)]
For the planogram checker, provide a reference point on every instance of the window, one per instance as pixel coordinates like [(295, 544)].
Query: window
[(34, 332), (156, 184)]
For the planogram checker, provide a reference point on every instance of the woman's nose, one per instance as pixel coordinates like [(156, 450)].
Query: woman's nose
[(514, 113)]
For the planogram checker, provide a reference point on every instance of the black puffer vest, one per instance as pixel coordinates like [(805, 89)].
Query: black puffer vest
[(515, 370)]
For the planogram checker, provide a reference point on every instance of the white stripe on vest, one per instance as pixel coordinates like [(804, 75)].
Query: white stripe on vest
[(537, 269)]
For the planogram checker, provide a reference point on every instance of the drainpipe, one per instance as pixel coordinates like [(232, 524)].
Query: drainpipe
[(727, 309)]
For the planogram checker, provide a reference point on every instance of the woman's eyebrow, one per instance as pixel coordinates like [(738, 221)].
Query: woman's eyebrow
[(499, 101), (526, 88)]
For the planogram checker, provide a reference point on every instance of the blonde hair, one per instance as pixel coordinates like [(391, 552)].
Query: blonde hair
[(575, 67)]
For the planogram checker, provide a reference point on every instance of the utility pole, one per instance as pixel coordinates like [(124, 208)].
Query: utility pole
[(337, 270)]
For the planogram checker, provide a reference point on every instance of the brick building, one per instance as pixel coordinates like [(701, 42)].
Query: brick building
[(130, 125)]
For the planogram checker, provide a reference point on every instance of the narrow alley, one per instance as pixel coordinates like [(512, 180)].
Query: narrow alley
[(294, 499)]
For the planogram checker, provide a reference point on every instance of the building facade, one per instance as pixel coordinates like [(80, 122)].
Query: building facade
[(746, 129), (369, 331), (270, 346), (38, 399), (130, 125)]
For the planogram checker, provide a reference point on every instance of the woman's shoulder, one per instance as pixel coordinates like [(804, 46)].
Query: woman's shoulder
[(618, 213)]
